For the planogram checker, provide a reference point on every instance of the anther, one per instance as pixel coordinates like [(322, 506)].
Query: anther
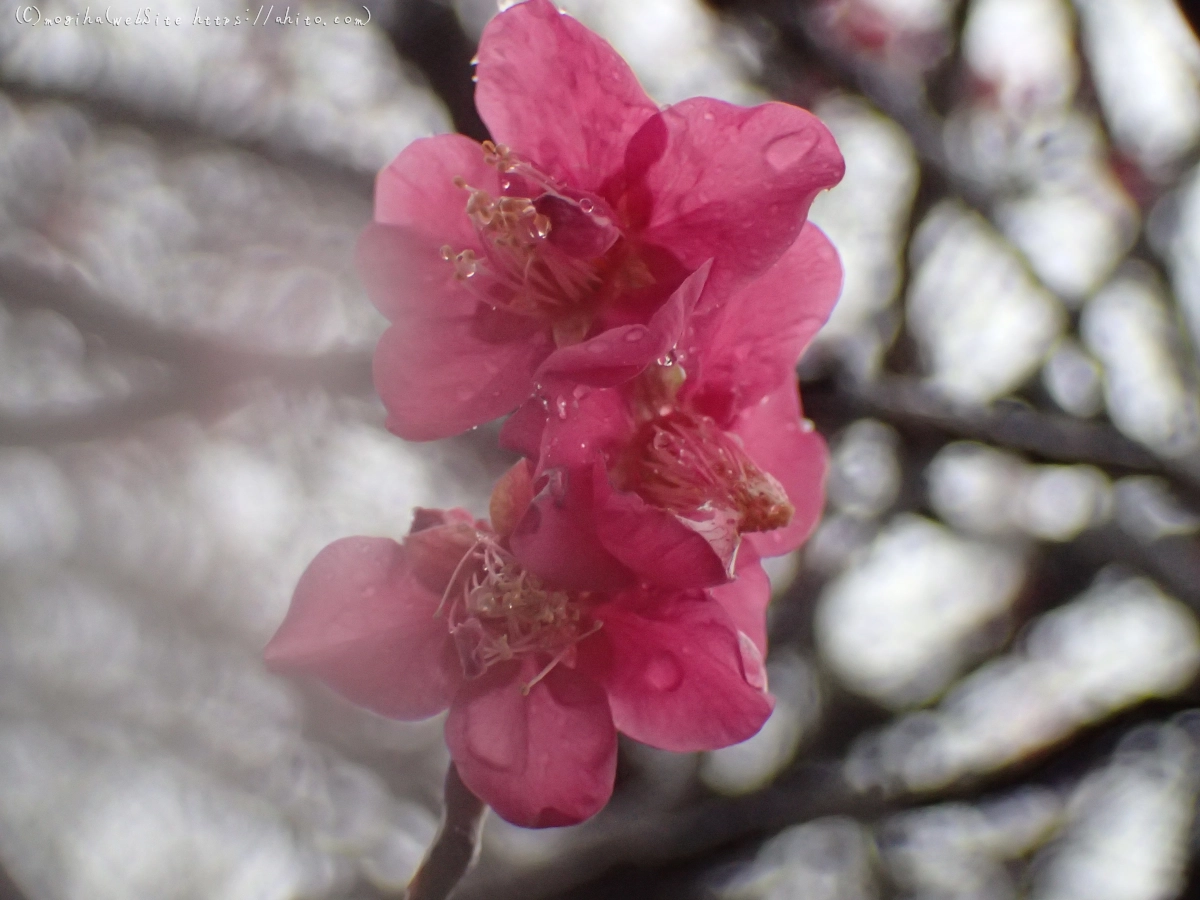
[(465, 263), (686, 463)]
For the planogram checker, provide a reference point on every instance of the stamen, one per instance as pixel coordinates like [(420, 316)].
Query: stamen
[(502, 612), (685, 463), (521, 272), (508, 163), (462, 563)]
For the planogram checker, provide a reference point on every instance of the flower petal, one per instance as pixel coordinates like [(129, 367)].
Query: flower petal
[(437, 378), (406, 276), (436, 552), (540, 760), (425, 518), (361, 622), (586, 423), (747, 348), (659, 546), (780, 442), (729, 183), (745, 599), (417, 188), (522, 431), (620, 353), (557, 542), (558, 94), (678, 674), (511, 496)]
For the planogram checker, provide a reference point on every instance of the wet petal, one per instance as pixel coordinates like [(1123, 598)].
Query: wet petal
[(541, 760), (558, 94), (750, 346), (730, 183), (361, 622), (660, 546), (745, 599), (582, 425), (522, 431), (556, 540), (678, 675), (781, 443), (622, 352), (417, 190), (437, 378)]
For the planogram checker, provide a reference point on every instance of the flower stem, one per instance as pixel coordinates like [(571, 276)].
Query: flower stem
[(456, 845)]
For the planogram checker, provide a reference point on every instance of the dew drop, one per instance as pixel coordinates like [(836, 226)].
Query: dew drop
[(586, 205), (806, 425), (752, 662), (560, 407), (663, 672), (633, 337), (579, 392), (784, 152)]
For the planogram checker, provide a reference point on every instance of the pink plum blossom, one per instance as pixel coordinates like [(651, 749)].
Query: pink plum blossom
[(538, 678), (662, 477), (580, 243)]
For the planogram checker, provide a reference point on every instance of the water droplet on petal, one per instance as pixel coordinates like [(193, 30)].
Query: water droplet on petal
[(560, 407), (634, 336), (586, 205), (578, 392), (663, 672), (752, 662)]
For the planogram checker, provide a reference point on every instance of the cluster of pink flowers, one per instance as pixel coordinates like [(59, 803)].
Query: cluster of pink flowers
[(634, 285)]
